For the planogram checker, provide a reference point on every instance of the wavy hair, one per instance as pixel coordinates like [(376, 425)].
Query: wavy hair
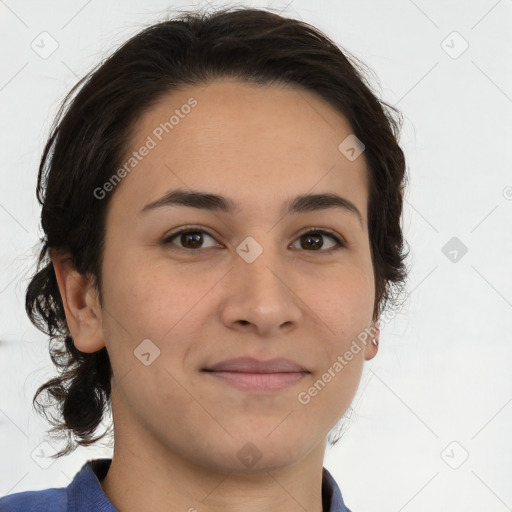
[(90, 136)]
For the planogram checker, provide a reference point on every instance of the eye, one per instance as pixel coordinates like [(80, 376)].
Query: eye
[(192, 238), (313, 239)]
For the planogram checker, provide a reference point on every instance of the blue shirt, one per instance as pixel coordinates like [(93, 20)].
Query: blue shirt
[(84, 494)]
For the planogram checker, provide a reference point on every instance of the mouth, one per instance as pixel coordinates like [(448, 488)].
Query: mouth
[(249, 374), (258, 381)]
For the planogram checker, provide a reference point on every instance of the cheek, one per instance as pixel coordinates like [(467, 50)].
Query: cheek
[(344, 307), (344, 300), (146, 298)]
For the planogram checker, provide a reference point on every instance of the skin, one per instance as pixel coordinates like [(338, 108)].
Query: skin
[(178, 432)]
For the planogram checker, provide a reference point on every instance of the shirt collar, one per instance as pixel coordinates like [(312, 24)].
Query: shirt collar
[(85, 492), (331, 495)]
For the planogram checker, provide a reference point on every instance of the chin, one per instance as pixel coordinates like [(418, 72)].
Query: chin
[(251, 453)]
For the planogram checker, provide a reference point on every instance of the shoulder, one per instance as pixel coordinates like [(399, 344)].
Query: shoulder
[(83, 494), (54, 500), (331, 494)]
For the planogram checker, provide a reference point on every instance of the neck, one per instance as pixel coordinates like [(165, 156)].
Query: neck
[(145, 475)]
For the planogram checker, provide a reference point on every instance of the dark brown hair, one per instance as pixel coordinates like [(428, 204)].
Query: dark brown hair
[(91, 133)]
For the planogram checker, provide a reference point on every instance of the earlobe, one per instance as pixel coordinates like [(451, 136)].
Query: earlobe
[(372, 346), (81, 305)]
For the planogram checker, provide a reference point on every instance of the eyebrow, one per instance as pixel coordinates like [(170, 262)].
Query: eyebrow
[(214, 202)]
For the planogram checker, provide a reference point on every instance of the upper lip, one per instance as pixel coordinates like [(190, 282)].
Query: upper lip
[(251, 365)]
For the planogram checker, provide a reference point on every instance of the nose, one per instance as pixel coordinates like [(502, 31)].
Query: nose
[(262, 296)]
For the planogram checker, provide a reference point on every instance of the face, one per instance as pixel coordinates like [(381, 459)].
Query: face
[(245, 280)]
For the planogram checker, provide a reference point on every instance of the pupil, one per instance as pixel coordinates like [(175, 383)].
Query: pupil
[(194, 237), (315, 240)]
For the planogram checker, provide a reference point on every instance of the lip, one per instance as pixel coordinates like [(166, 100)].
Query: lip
[(250, 374), (259, 382), (252, 365)]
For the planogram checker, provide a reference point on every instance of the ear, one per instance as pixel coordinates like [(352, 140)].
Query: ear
[(81, 304), (370, 350)]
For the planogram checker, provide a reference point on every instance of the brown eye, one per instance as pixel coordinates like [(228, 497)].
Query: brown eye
[(314, 240), (193, 239), (189, 239)]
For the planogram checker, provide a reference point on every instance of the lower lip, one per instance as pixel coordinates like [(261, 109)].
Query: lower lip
[(259, 381)]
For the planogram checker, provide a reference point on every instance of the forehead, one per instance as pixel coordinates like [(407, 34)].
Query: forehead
[(242, 140)]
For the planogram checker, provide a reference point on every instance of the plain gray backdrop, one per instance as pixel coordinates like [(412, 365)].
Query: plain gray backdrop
[(433, 414)]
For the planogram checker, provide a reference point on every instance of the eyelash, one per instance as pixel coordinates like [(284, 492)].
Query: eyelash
[(340, 243)]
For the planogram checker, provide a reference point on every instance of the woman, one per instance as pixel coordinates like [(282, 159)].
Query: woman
[(221, 202)]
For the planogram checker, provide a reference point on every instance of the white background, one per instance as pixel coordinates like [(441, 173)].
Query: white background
[(443, 372)]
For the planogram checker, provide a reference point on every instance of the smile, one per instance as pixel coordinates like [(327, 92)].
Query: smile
[(258, 381)]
